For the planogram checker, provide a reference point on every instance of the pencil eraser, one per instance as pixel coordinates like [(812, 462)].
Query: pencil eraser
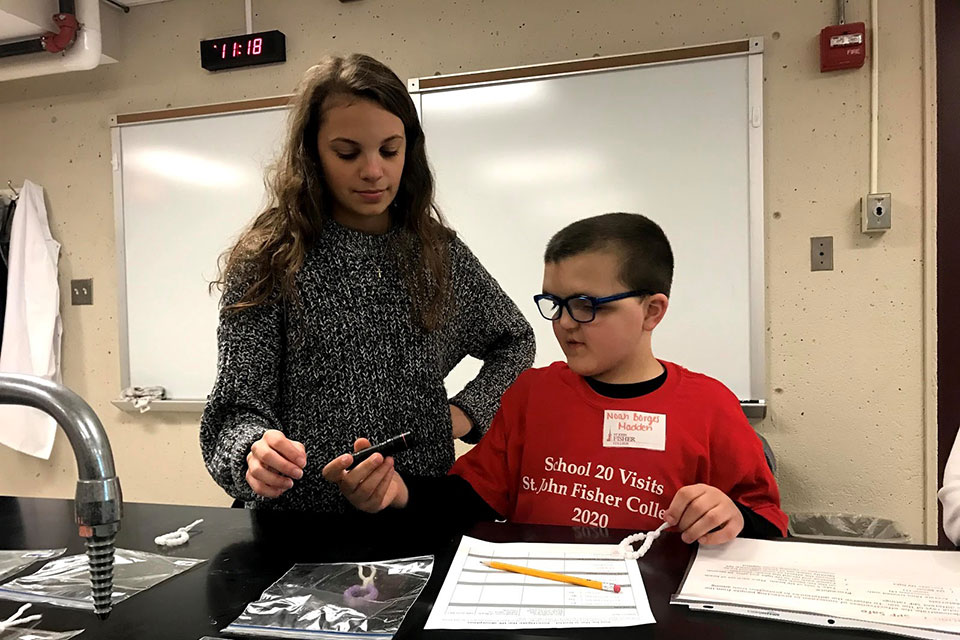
[(616, 588)]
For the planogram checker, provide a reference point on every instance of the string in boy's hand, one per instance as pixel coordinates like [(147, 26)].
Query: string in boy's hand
[(704, 514)]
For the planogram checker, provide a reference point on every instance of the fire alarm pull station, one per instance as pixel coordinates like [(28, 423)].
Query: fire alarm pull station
[(843, 46)]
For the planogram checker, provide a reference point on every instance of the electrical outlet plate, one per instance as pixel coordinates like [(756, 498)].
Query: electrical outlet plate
[(81, 291), (876, 213), (821, 253)]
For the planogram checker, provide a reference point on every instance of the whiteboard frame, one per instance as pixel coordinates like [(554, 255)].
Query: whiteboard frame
[(123, 328), (758, 263), (754, 407)]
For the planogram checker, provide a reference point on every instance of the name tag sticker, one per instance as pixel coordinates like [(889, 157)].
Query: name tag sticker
[(634, 430)]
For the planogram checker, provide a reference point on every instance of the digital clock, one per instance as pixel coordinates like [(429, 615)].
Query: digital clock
[(243, 51)]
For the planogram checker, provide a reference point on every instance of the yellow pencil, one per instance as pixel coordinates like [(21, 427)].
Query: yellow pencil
[(559, 577)]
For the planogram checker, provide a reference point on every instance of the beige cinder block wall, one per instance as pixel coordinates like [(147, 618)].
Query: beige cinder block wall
[(844, 347)]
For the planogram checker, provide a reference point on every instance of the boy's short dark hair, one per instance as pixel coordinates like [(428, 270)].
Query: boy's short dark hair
[(646, 260)]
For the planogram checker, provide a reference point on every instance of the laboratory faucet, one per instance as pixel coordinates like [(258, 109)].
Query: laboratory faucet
[(98, 503)]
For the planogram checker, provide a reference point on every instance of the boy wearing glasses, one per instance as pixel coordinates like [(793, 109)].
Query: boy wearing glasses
[(613, 437)]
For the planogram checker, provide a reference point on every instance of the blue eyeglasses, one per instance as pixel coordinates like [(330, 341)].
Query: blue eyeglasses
[(581, 308)]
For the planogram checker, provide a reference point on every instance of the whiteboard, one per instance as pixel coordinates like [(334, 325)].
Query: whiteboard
[(185, 189), (681, 143), (514, 162)]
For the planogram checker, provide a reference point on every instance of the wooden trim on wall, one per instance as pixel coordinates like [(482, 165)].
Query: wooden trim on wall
[(948, 231), (201, 110), (589, 64)]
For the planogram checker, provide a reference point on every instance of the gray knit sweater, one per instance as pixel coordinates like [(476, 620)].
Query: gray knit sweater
[(353, 362)]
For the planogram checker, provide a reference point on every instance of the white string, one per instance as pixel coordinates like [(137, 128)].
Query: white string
[(178, 537), (626, 545), (366, 580), (15, 619)]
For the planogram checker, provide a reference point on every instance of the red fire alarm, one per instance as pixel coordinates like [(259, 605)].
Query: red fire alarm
[(843, 46)]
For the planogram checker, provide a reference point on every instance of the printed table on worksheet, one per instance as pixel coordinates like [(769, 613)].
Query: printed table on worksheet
[(475, 596)]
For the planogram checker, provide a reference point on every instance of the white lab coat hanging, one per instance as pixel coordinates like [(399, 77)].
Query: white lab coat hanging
[(31, 326)]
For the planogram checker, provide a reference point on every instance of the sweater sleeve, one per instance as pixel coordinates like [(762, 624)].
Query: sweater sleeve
[(245, 396), (490, 328), (950, 495)]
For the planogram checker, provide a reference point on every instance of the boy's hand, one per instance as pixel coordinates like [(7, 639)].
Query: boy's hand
[(371, 486), (273, 463), (704, 514)]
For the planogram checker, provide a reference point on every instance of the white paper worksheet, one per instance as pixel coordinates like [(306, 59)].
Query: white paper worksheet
[(474, 596), (913, 592)]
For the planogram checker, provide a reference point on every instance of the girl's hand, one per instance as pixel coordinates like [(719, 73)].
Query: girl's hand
[(461, 423), (371, 486), (273, 463)]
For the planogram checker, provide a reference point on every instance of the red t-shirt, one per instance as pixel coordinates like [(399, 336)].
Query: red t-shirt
[(560, 453)]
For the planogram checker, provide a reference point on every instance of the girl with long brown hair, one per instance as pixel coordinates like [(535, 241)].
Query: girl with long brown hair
[(347, 302)]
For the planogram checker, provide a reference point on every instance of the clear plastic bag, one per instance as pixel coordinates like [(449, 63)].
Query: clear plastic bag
[(325, 600), (37, 634), (15, 561), (21, 626), (66, 582), (845, 526)]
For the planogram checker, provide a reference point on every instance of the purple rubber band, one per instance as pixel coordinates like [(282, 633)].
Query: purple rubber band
[(358, 593)]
